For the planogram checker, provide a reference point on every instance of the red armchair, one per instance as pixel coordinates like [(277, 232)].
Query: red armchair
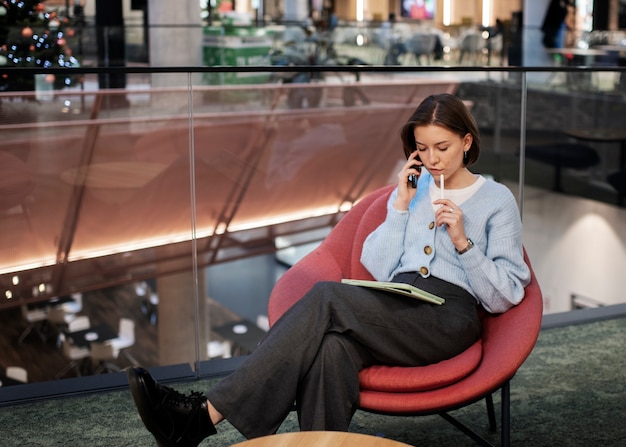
[(488, 365)]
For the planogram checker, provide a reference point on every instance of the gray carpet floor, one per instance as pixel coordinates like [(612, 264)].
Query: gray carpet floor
[(570, 392)]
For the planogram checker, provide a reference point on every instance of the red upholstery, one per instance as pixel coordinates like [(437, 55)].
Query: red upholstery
[(507, 339), (396, 379)]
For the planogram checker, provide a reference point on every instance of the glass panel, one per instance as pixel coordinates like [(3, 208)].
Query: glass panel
[(166, 201), (495, 99), (574, 231), (96, 214)]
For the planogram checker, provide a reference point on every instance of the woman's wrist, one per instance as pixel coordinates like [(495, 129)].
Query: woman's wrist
[(469, 245)]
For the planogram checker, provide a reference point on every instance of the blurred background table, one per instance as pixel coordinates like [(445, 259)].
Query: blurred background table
[(244, 335), (604, 135), (99, 333), (577, 56)]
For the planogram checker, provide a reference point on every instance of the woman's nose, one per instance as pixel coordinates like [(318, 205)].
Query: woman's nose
[(432, 157)]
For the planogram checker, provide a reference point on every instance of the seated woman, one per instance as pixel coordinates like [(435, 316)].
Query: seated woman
[(461, 241)]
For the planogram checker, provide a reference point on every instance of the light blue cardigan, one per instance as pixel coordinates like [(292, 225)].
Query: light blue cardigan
[(493, 271)]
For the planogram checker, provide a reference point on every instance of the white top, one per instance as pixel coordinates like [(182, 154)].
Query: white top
[(458, 196)]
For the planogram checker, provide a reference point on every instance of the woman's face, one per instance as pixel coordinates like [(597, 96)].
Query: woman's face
[(441, 152)]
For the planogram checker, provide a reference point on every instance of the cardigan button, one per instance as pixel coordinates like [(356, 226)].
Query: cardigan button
[(428, 249), (424, 271), (431, 225)]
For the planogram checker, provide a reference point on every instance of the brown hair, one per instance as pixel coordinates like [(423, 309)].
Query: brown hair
[(449, 112)]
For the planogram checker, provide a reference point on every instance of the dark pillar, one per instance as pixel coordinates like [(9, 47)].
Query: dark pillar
[(142, 5), (600, 15), (111, 42), (515, 38)]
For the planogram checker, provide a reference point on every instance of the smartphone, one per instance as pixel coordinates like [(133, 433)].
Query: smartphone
[(412, 177)]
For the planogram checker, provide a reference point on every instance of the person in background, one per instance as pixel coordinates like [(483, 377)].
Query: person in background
[(78, 12), (553, 25), (394, 45), (333, 21), (572, 26), (493, 31), (461, 241)]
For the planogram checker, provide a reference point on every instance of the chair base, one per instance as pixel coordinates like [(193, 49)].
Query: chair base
[(130, 358), (78, 365), (39, 328), (505, 417), (106, 367), (505, 430)]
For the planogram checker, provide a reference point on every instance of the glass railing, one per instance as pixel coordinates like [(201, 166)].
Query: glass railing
[(169, 208)]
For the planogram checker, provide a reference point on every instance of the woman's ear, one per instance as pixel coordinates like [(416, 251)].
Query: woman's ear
[(467, 141)]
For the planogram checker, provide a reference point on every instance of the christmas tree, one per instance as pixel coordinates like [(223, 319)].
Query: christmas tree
[(32, 37)]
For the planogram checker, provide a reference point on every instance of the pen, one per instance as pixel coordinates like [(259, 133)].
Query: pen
[(441, 187)]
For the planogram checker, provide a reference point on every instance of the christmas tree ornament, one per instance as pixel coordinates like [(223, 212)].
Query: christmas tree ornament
[(32, 37)]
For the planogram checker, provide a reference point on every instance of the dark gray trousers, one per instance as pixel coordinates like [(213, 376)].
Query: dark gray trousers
[(314, 352)]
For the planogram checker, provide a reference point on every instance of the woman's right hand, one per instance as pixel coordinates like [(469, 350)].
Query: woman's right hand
[(406, 192)]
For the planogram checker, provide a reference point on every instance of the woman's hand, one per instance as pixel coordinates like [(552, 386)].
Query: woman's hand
[(451, 216), (406, 192)]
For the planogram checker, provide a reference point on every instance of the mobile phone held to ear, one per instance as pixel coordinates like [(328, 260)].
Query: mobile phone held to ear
[(412, 177)]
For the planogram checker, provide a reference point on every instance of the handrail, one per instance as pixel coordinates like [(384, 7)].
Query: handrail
[(183, 117), (311, 68)]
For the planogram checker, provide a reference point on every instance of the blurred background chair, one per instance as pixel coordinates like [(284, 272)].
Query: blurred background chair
[(37, 318), (421, 45), (17, 373), (80, 323), (77, 356), (125, 338), (219, 349), (263, 322), (294, 35), (75, 305), (103, 356), (58, 316), (65, 310), (472, 45)]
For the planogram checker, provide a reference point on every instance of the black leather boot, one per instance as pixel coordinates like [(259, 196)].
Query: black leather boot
[(175, 419)]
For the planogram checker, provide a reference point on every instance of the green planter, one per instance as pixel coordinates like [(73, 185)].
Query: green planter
[(236, 47)]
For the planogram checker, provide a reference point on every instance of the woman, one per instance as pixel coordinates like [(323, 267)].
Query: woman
[(455, 234)]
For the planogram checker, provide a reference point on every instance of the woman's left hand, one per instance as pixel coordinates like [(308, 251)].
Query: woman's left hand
[(451, 216)]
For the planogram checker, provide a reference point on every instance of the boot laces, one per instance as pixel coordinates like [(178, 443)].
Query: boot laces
[(172, 397)]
